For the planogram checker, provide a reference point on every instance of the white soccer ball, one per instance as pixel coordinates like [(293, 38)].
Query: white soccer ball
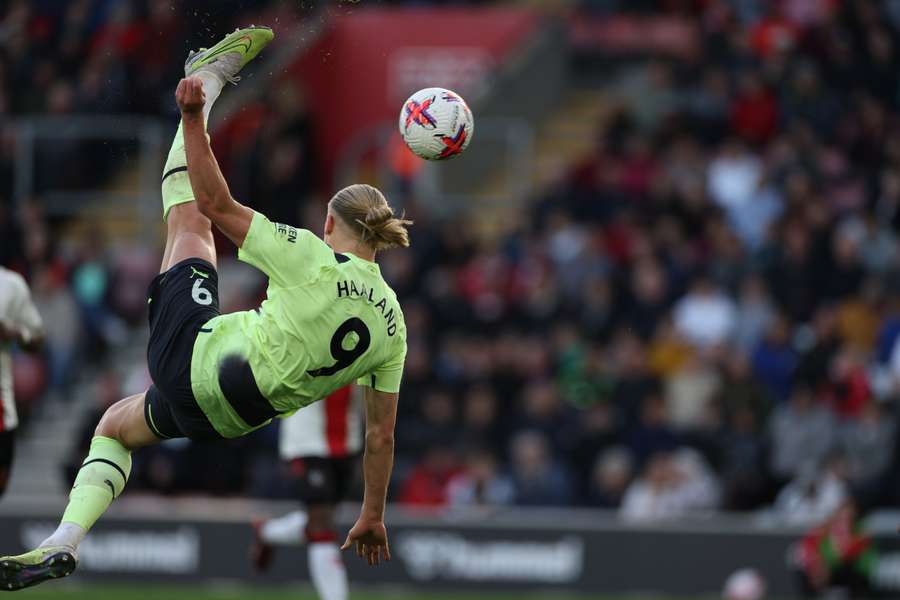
[(744, 584), (436, 124)]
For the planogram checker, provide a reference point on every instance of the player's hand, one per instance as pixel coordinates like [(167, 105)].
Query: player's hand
[(189, 96), (371, 541), (8, 333)]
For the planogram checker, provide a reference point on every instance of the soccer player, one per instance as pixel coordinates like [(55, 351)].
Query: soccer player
[(320, 444), (329, 319), (20, 324)]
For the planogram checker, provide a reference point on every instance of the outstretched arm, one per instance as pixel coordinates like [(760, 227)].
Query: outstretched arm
[(369, 533), (210, 189)]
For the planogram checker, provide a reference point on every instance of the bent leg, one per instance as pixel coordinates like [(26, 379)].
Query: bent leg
[(125, 422), (104, 473)]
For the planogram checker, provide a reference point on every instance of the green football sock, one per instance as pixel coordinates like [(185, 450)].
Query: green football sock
[(176, 186), (100, 480)]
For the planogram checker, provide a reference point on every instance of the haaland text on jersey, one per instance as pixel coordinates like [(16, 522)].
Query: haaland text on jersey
[(349, 289)]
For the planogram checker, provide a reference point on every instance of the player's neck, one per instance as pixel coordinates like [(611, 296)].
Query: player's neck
[(343, 246)]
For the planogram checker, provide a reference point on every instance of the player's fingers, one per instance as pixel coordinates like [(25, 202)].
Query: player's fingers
[(190, 86), (347, 543), (386, 551), (359, 548)]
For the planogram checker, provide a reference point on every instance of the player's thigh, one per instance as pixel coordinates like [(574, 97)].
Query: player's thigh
[(189, 235), (125, 421), (181, 301), (187, 245), (7, 453)]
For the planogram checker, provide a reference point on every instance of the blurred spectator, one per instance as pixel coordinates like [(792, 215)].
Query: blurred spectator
[(705, 316), (538, 478), (689, 394), (653, 434), (775, 360), (673, 485), (61, 342), (802, 432), (426, 485), (754, 313), (610, 478), (754, 113), (815, 493), (868, 440), (743, 453), (734, 176), (480, 483), (480, 420), (599, 432)]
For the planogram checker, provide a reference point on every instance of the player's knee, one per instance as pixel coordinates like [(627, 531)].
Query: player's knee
[(110, 424), (106, 426)]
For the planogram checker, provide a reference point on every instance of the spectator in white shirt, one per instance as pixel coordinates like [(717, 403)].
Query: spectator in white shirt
[(705, 316)]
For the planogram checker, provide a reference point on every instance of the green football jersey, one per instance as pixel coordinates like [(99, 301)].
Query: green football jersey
[(328, 320)]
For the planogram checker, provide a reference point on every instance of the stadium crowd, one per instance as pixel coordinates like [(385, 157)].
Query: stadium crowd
[(701, 315)]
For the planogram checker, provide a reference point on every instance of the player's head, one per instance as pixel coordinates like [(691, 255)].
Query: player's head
[(361, 213)]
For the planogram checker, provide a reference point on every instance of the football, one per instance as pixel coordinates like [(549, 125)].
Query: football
[(436, 124)]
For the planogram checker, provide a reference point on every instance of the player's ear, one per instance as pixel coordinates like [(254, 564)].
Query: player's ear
[(329, 223)]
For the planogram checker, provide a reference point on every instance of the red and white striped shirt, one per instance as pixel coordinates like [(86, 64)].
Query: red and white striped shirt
[(18, 312), (330, 428)]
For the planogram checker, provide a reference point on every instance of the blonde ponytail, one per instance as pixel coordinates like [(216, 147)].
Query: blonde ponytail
[(367, 212)]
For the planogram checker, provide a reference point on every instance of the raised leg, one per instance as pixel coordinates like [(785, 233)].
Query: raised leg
[(188, 232)]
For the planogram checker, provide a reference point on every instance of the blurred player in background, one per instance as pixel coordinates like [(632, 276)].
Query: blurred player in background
[(321, 444), (20, 324), (839, 553), (329, 319)]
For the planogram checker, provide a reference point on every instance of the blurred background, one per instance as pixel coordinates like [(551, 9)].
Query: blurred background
[(653, 311)]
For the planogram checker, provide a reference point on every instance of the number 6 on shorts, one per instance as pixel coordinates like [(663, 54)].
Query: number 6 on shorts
[(200, 294)]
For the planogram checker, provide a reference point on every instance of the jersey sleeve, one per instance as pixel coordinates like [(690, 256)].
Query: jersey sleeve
[(388, 376), (286, 254)]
